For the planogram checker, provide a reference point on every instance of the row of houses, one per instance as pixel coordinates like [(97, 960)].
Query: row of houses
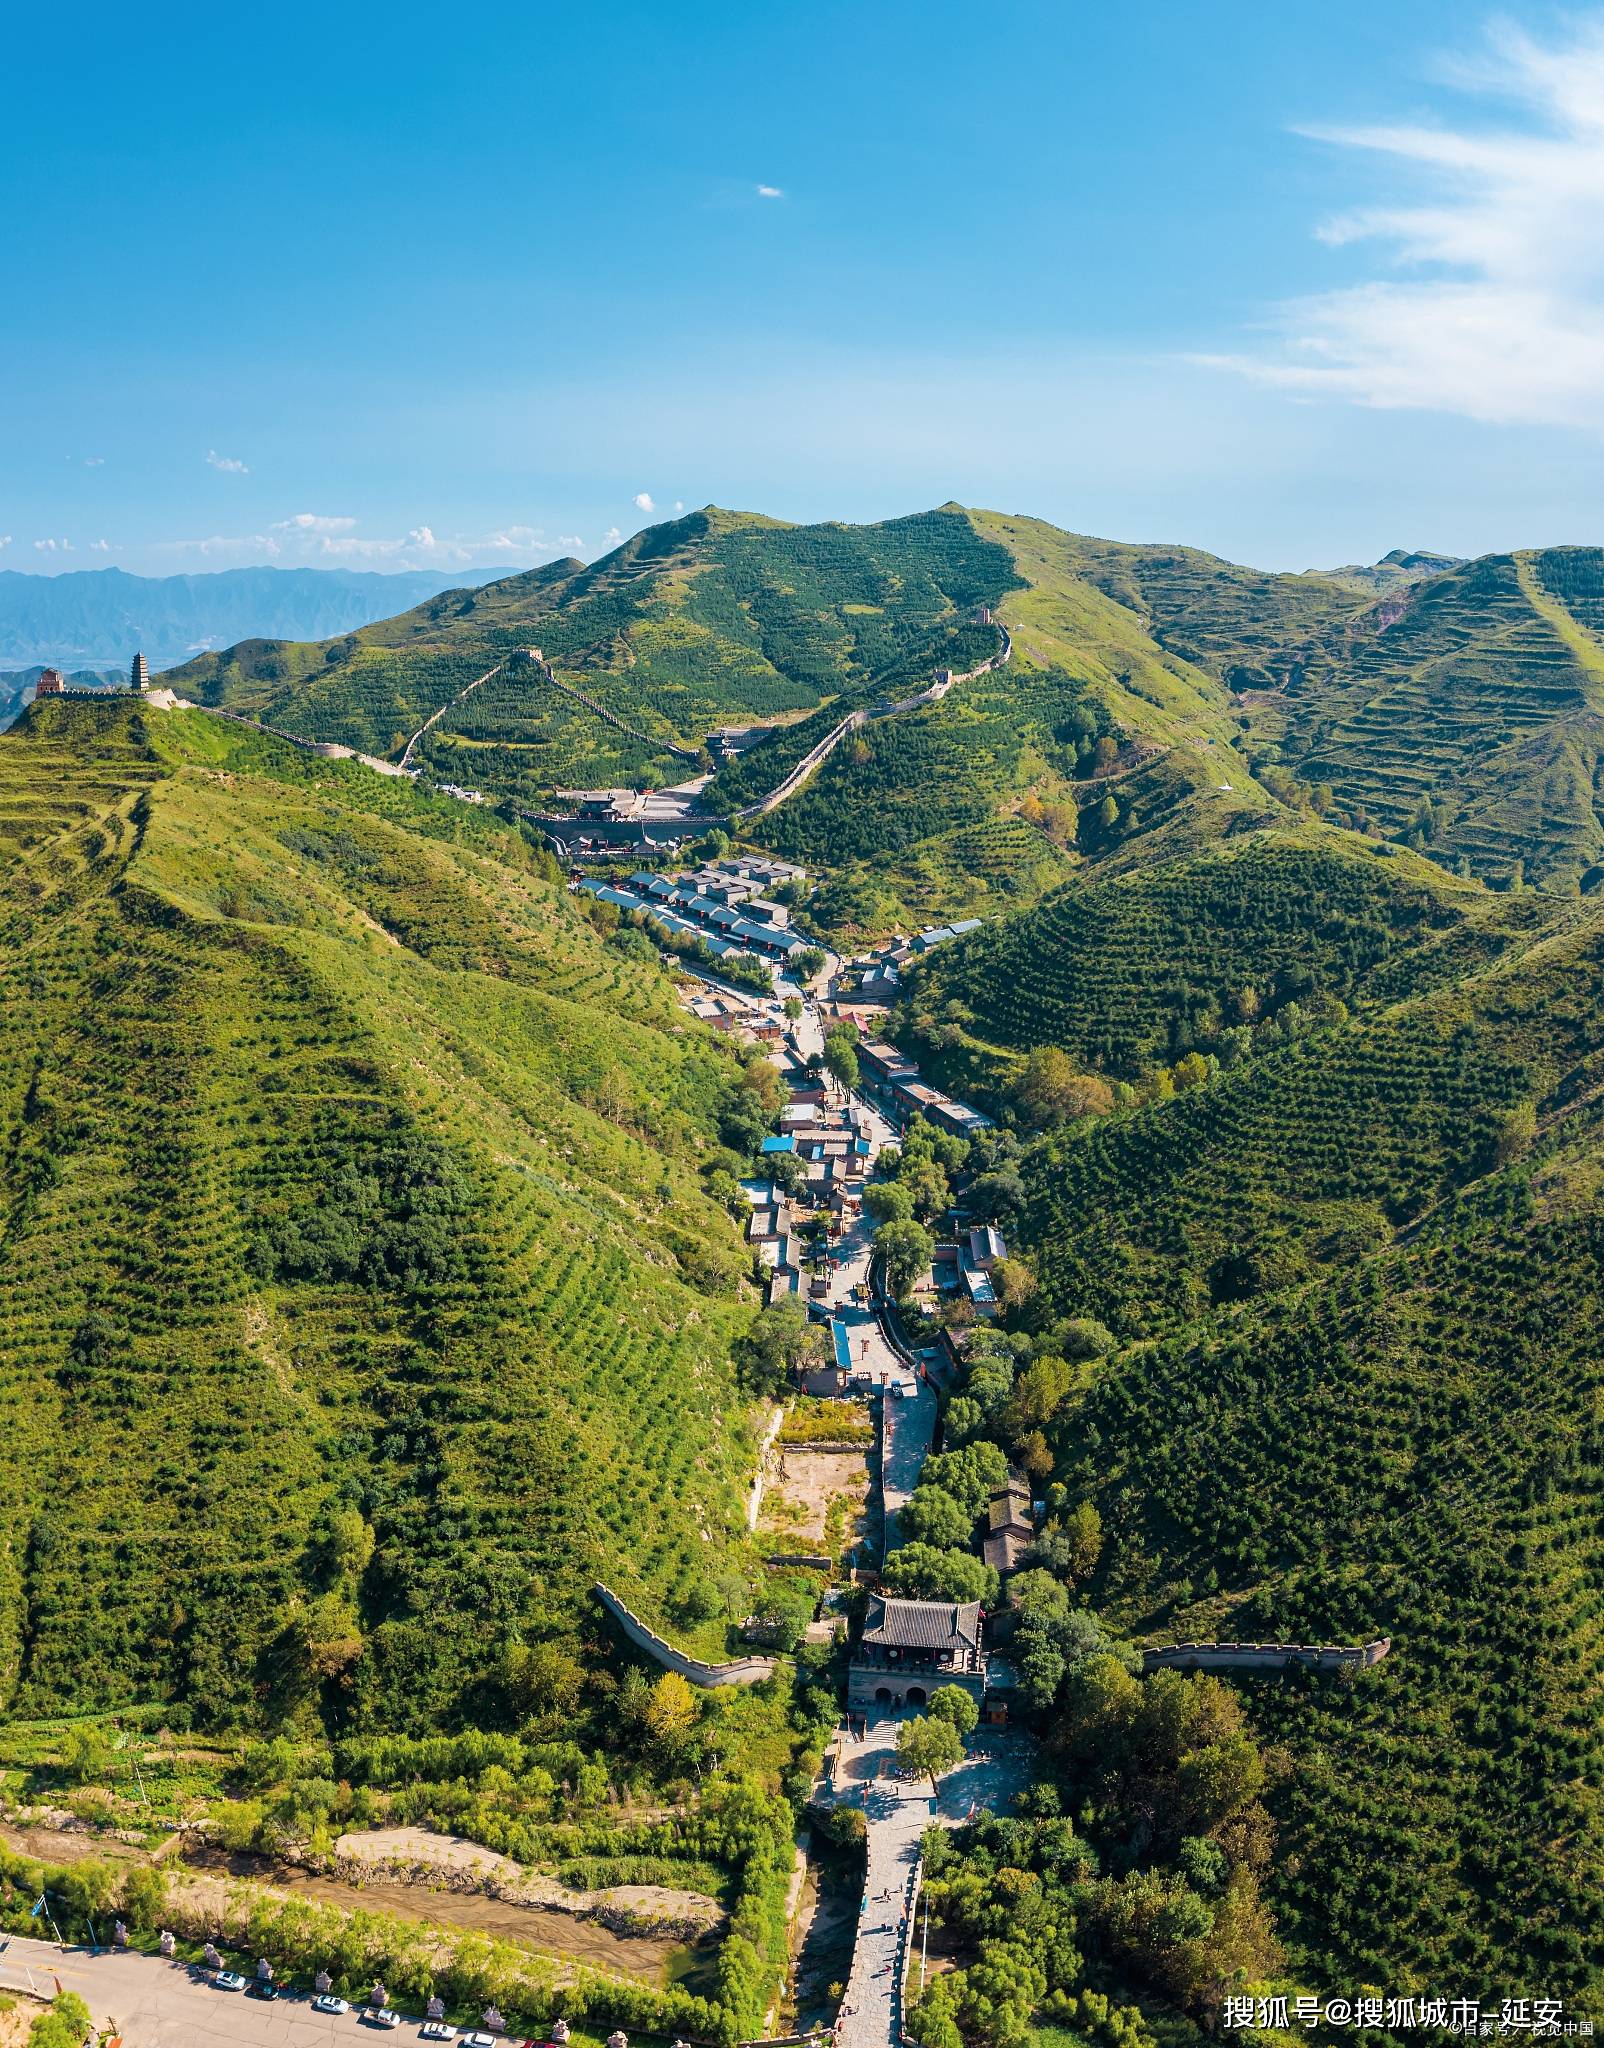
[(892, 1079), (875, 977), (828, 1139), (722, 904)]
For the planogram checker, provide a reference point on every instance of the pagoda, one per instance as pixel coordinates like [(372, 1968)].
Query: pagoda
[(139, 674)]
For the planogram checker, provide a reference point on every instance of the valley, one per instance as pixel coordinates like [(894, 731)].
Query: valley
[(411, 1225)]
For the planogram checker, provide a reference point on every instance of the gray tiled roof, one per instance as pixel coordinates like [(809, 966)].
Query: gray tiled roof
[(921, 1624)]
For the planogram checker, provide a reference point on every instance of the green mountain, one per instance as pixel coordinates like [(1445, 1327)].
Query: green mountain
[(368, 1293), (1335, 1259), (1464, 712), (715, 618), (363, 1300), (1449, 704)]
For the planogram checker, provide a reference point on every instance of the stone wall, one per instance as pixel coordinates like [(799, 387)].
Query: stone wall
[(1264, 1656), (740, 1671)]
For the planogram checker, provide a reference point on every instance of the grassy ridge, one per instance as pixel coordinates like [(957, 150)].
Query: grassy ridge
[(343, 1168)]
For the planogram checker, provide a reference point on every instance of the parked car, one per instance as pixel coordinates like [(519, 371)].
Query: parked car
[(263, 1987), (437, 2030), (382, 2017), (480, 2040), (327, 2002), (229, 1980)]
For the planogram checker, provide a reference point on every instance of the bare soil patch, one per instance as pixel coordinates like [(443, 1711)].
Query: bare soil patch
[(422, 1845), (68, 1845), (548, 1930), (14, 2025), (802, 1485)]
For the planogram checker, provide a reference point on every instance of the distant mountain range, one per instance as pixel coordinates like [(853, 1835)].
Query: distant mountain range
[(100, 616)]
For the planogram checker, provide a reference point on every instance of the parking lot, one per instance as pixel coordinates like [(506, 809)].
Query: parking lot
[(154, 2003)]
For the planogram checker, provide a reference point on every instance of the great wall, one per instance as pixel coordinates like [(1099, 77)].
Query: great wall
[(739, 1671), (1265, 1656)]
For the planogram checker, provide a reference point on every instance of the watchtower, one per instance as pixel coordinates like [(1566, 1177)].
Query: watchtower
[(139, 674)]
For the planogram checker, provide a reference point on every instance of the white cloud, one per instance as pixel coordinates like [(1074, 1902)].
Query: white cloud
[(244, 544), (94, 462), (230, 463), (313, 522), (571, 543), (322, 538), (769, 192), (643, 502), (515, 537), (679, 505), (611, 537), (5, 540), (100, 547), (51, 547), (1492, 301)]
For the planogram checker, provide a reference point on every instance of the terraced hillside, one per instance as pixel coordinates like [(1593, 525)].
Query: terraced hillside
[(715, 618), (362, 1301), (1469, 716), (941, 813), (1249, 627), (1340, 1463), (724, 618), (1334, 1273), (1453, 705), (1138, 969), (1327, 1144)]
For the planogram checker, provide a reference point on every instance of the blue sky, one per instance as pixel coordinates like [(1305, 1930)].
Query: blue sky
[(399, 287)]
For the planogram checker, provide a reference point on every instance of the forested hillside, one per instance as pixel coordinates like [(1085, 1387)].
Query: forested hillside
[(1345, 1461), (1129, 972), (362, 1298), (1330, 1273)]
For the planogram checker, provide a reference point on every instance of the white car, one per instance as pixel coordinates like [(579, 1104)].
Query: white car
[(229, 1980), (478, 2041), (329, 2003), (437, 2030), (384, 2017)]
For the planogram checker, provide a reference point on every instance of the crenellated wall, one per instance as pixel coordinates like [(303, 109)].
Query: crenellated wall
[(1264, 1656), (739, 1671)]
